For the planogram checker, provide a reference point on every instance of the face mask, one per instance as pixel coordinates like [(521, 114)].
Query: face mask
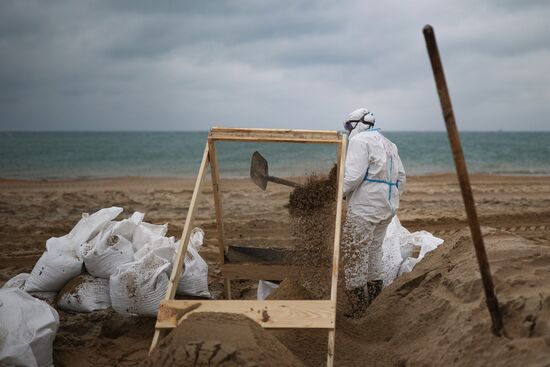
[(349, 125)]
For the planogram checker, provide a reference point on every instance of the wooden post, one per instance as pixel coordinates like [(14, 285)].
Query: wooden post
[(341, 157), (219, 211), (184, 240), (467, 195)]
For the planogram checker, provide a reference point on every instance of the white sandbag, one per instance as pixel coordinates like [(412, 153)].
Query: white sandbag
[(27, 329), (62, 260), (105, 252), (398, 248), (427, 242), (127, 227), (17, 281), (265, 288), (147, 232), (84, 230), (53, 270), (164, 247), (396, 237), (85, 294), (139, 286), (194, 278)]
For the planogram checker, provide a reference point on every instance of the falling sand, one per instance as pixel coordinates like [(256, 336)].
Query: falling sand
[(312, 211)]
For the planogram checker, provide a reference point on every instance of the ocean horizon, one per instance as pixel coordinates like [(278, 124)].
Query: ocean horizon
[(91, 154)]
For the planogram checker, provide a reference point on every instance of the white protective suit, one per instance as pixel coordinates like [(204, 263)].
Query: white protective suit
[(373, 182)]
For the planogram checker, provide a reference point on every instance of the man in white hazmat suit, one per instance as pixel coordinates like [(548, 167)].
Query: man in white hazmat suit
[(373, 182)]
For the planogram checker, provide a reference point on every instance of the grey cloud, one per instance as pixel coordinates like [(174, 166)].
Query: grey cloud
[(190, 65)]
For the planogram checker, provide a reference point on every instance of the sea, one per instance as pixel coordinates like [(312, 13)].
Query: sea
[(60, 155)]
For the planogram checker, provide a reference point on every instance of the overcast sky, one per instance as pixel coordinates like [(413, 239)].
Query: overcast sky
[(181, 65)]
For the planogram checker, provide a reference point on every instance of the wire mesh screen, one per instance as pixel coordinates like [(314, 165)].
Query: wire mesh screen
[(289, 220)]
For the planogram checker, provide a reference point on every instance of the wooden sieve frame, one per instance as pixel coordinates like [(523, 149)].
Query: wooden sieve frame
[(277, 314)]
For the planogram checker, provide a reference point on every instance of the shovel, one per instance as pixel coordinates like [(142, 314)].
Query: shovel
[(260, 175)]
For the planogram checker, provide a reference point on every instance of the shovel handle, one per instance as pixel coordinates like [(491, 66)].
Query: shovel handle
[(282, 181)]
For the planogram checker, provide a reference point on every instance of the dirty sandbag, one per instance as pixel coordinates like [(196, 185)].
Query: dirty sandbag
[(265, 288), (427, 242), (105, 252), (147, 232), (53, 270), (27, 329), (127, 227), (139, 286), (84, 294), (17, 281), (62, 260), (193, 280)]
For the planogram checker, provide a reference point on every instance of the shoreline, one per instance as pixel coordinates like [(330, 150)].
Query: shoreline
[(7, 180)]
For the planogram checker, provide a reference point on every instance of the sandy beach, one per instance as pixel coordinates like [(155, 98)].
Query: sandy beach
[(33, 211)]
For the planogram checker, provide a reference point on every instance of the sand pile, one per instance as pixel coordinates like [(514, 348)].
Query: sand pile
[(312, 210), (290, 289), (436, 315), (220, 339)]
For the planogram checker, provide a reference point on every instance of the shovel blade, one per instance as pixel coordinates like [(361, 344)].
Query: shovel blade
[(259, 170)]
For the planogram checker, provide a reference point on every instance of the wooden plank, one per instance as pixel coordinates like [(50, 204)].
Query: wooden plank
[(338, 224), (330, 350), (275, 135), (336, 250), (159, 334), (250, 252), (269, 314), (258, 271), (218, 209), (230, 130), (182, 250), (274, 138)]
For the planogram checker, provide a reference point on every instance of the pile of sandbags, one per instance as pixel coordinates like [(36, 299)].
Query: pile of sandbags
[(124, 264)]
